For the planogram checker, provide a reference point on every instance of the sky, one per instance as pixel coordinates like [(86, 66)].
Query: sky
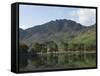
[(32, 15)]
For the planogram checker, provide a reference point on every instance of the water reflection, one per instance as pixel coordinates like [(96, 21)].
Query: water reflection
[(64, 60), (61, 60)]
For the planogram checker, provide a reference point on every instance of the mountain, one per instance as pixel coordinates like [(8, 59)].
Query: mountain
[(22, 33), (56, 26), (61, 30), (88, 37)]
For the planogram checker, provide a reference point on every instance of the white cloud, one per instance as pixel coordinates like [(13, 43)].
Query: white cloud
[(73, 15), (87, 16)]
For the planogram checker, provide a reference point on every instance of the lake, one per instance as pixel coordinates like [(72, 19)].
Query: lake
[(61, 60)]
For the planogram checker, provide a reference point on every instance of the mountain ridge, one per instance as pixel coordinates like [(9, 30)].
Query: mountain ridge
[(54, 30)]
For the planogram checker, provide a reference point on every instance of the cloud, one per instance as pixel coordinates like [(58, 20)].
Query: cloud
[(86, 16), (73, 15)]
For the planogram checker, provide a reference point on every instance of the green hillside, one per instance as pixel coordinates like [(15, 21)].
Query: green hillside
[(89, 37), (83, 41)]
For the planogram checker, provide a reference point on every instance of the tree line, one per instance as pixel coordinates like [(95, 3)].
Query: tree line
[(49, 46)]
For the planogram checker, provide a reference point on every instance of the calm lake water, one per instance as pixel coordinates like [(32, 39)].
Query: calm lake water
[(58, 60)]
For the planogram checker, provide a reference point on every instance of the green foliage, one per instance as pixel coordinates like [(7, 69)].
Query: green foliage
[(83, 41), (86, 41), (23, 54), (51, 46), (46, 46), (37, 47), (65, 46)]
